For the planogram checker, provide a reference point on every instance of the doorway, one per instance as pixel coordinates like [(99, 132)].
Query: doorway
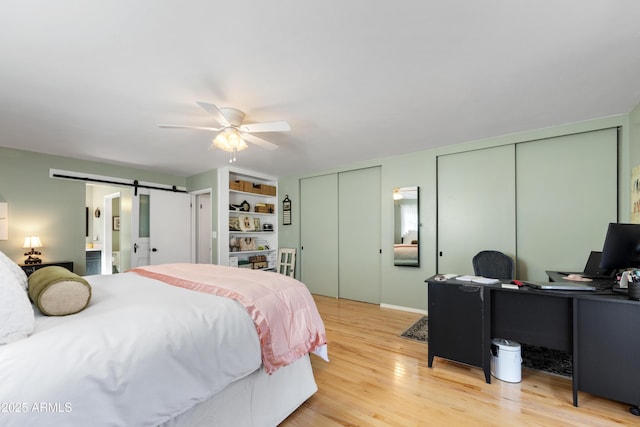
[(110, 260), (108, 207), (202, 232)]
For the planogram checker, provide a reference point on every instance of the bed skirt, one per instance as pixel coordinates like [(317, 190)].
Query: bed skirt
[(259, 399)]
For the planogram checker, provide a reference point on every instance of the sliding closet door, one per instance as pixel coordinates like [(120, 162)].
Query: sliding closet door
[(567, 195), (476, 206), (359, 239), (319, 234)]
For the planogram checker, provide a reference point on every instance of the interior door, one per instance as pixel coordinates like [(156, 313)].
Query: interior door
[(203, 228), (476, 206), (140, 229), (161, 228), (359, 234), (319, 234)]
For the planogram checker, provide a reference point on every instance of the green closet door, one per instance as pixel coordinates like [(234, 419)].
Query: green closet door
[(319, 234), (567, 195), (476, 206), (359, 240)]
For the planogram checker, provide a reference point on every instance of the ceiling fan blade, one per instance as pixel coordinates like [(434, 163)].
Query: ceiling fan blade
[(279, 126), (259, 141), (190, 127), (215, 112)]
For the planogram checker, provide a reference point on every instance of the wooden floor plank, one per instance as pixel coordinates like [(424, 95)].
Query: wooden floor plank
[(377, 378)]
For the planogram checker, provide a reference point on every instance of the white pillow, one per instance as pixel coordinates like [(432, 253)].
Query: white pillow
[(7, 266), (16, 312)]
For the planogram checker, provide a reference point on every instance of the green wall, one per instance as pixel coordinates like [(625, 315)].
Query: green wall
[(54, 209), (404, 286)]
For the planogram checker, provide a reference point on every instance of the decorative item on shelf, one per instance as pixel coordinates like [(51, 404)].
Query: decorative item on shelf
[(247, 244), (234, 244), (246, 223), (259, 265), (258, 261), (262, 245), (286, 210), (267, 226), (234, 223), (245, 206), (256, 188), (264, 208), (32, 242), (256, 224), (243, 263)]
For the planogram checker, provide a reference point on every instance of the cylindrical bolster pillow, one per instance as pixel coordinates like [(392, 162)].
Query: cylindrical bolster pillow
[(58, 292)]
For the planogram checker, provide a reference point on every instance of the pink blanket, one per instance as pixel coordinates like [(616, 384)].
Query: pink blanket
[(285, 315)]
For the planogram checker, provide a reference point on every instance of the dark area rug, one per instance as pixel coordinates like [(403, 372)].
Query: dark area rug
[(540, 358)]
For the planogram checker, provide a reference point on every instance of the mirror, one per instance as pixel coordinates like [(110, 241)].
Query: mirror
[(406, 232)]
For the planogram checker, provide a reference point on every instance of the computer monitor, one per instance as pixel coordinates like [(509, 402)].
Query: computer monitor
[(621, 247)]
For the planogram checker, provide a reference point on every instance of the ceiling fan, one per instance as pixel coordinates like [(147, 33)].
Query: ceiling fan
[(232, 133)]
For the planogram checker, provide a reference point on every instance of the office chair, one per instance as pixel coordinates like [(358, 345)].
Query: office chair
[(493, 264)]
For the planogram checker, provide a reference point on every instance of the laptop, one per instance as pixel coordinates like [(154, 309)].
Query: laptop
[(592, 269), (561, 286)]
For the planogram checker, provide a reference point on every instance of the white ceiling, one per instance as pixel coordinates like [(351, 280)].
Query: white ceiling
[(356, 79)]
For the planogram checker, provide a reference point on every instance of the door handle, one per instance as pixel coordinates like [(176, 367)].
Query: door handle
[(154, 250), (135, 248)]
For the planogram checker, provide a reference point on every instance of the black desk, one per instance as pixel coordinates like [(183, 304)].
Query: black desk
[(598, 328)]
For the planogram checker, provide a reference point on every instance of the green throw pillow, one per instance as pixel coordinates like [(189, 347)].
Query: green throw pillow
[(58, 292)]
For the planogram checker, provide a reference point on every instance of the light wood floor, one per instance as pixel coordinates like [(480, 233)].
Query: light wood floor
[(377, 378)]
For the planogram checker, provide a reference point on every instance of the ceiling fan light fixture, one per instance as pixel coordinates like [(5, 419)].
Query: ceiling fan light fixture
[(229, 140)]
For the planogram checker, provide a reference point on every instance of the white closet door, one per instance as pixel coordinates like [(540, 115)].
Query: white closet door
[(476, 206), (567, 195), (359, 241), (319, 234)]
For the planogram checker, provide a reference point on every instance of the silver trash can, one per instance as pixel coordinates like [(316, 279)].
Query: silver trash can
[(506, 360)]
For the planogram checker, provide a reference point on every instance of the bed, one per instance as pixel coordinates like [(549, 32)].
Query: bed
[(174, 345), (405, 254)]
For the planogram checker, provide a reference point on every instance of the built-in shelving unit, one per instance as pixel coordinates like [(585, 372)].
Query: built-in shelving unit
[(247, 201)]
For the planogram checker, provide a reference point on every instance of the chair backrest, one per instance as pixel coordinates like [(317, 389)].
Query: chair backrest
[(286, 262), (493, 264)]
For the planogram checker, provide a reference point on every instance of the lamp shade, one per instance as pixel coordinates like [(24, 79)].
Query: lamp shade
[(32, 242)]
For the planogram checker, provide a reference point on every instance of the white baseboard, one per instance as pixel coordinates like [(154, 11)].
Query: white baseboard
[(401, 308)]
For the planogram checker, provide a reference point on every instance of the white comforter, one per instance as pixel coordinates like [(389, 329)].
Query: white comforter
[(141, 353)]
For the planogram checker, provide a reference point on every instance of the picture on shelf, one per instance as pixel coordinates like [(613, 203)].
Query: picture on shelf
[(246, 223), (256, 224)]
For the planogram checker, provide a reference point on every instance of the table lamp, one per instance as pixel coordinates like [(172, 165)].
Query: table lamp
[(32, 242)]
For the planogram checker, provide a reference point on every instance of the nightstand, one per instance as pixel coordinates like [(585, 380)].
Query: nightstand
[(30, 268)]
